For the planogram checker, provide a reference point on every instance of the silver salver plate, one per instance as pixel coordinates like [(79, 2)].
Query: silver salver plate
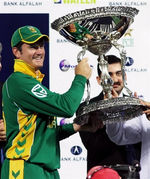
[(110, 111)]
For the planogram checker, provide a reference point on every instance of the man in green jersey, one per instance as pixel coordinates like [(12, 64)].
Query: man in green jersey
[(78, 31), (30, 110)]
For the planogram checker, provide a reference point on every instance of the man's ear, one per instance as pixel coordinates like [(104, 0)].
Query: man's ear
[(98, 80), (16, 52)]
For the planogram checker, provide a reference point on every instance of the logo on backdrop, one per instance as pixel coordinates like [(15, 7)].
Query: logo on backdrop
[(76, 150), (132, 3), (74, 1), (64, 121), (57, 1), (130, 68), (129, 61), (127, 40), (22, 3), (64, 65), (76, 156), (62, 40)]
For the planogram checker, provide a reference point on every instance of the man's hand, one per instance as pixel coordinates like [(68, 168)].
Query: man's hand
[(89, 36), (94, 123), (2, 131), (83, 69), (147, 105)]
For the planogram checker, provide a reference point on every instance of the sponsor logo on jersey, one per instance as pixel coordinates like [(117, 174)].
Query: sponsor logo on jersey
[(39, 91)]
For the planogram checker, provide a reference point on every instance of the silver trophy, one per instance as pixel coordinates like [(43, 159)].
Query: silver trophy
[(98, 30)]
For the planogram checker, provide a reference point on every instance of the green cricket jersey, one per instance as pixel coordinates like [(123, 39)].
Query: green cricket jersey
[(29, 109)]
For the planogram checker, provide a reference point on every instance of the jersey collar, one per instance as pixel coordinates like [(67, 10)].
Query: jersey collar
[(21, 66)]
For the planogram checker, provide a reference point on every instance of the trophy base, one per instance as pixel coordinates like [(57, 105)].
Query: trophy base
[(110, 111)]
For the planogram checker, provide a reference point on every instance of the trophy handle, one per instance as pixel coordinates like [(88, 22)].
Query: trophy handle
[(79, 58), (122, 53), (81, 53), (106, 82)]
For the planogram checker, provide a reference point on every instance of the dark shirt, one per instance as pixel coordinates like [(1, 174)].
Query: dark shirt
[(102, 151)]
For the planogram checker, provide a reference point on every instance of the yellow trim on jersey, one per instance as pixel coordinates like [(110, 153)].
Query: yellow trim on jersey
[(16, 169), (22, 143), (23, 67), (4, 119)]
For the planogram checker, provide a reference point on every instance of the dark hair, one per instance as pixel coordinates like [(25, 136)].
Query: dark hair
[(19, 46), (110, 59)]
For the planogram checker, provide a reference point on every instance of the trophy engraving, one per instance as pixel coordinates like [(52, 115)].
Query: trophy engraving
[(98, 30)]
